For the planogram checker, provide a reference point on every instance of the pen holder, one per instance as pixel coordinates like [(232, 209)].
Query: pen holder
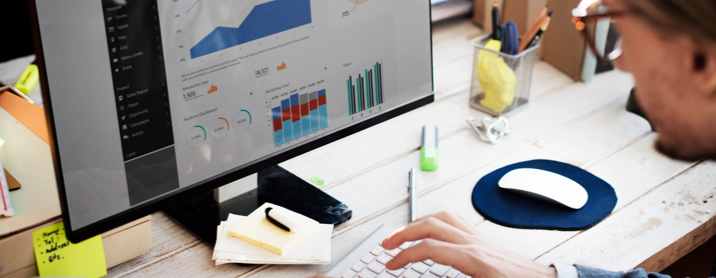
[(501, 82)]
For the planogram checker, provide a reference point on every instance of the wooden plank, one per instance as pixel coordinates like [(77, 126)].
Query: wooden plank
[(193, 262), (648, 228), (167, 237), (613, 126)]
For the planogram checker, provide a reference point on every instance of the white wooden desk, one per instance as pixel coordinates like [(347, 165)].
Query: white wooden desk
[(665, 207)]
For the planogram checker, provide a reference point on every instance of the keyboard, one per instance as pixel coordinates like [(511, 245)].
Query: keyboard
[(368, 260)]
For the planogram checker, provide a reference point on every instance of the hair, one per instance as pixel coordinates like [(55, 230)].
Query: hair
[(694, 18)]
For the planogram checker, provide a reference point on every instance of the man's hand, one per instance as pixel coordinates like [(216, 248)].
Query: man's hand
[(449, 240)]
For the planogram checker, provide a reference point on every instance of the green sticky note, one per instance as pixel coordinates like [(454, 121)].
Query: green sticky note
[(57, 256), (317, 181)]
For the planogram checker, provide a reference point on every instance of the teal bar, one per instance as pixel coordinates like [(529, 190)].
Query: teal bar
[(350, 107)]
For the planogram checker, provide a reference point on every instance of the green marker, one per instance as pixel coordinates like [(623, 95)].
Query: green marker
[(429, 151)]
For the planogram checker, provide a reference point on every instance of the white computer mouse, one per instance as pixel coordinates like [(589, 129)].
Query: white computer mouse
[(546, 186)]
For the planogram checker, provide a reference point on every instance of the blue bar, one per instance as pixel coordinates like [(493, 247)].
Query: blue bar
[(277, 135), (287, 130), (276, 113), (306, 125), (323, 110), (360, 90), (315, 121)]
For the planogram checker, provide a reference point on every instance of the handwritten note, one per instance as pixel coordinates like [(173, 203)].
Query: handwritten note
[(57, 256)]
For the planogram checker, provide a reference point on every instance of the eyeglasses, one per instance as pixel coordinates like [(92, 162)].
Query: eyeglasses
[(585, 18)]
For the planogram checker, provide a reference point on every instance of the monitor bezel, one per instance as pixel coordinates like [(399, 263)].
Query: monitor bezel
[(159, 203)]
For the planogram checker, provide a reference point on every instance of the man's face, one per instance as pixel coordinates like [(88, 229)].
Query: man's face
[(680, 108)]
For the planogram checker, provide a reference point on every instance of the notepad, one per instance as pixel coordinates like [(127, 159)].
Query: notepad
[(257, 230), (315, 249)]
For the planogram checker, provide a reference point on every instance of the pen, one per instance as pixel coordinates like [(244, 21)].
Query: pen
[(540, 32), (412, 186), (529, 36), (496, 34)]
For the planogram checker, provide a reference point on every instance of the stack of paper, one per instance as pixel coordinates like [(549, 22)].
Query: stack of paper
[(315, 249)]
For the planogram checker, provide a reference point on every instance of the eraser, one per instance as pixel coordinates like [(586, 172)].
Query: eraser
[(282, 221)]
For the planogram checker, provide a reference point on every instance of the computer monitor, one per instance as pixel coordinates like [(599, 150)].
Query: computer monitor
[(152, 101)]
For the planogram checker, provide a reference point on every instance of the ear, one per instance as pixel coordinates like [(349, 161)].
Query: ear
[(703, 67)]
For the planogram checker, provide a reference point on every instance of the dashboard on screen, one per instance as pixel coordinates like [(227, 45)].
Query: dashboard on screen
[(150, 97)]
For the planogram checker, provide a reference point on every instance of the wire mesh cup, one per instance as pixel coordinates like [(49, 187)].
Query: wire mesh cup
[(501, 82)]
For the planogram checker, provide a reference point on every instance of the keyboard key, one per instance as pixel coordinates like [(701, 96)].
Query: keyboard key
[(396, 272), (349, 274), (463, 276), (453, 273), (376, 267), (411, 274), (429, 262), (385, 275), (429, 275), (420, 267), (406, 266), (439, 269), (406, 245), (393, 252), (367, 259), (377, 250), (367, 274), (358, 267), (384, 258)]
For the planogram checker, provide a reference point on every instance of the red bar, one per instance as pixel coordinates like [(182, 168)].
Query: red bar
[(321, 100), (314, 104), (304, 109), (286, 114), (295, 113), (277, 125)]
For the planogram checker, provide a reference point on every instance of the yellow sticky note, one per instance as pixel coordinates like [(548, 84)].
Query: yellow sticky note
[(57, 256), (257, 230)]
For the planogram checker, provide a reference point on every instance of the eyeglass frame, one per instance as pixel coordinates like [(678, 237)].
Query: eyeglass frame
[(582, 28)]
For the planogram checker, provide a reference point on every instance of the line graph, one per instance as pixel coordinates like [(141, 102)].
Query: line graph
[(264, 20), (192, 6)]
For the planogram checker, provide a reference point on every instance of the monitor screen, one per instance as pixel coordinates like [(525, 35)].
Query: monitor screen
[(150, 98)]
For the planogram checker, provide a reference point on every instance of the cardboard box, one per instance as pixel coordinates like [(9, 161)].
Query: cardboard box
[(563, 46), (26, 153)]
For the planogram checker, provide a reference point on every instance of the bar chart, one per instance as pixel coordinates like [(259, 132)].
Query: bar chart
[(365, 88), (299, 115)]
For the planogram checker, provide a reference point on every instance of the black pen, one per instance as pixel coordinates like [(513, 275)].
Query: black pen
[(496, 34)]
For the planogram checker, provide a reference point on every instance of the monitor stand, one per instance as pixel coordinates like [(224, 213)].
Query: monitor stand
[(202, 214)]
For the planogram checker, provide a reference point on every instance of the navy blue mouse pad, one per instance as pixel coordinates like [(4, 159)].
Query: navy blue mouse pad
[(518, 211)]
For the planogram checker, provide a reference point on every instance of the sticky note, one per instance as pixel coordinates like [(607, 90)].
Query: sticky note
[(57, 256), (257, 230)]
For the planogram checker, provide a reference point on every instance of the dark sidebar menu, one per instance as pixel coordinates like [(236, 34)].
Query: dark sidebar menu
[(140, 90)]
